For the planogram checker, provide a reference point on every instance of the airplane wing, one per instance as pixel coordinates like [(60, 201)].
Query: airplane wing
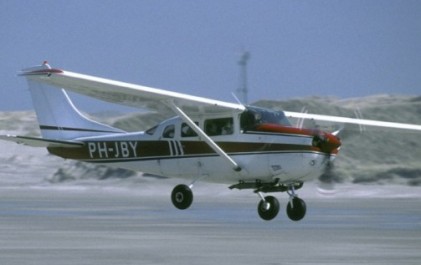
[(353, 121), (40, 142), (126, 93), (157, 99)]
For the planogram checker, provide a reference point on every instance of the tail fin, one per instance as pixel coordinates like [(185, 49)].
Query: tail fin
[(57, 116)]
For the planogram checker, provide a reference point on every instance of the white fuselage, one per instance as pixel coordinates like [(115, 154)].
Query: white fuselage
[(170, 150)]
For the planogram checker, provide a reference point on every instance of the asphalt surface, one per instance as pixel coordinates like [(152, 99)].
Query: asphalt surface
[(102, 226)]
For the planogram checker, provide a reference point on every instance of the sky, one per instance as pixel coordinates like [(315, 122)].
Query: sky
[(298, 48)]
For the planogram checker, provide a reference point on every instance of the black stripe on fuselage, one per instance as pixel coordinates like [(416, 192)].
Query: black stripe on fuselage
[(145, 150)]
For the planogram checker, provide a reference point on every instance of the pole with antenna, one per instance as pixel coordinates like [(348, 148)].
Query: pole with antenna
[(242, 90)]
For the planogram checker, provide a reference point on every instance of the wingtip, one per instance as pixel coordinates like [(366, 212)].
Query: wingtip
[(43, 69)]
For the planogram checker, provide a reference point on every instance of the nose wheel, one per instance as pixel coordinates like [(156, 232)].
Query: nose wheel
[(296, 209)]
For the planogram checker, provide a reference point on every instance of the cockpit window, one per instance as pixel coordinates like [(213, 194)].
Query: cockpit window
[(254, 116)]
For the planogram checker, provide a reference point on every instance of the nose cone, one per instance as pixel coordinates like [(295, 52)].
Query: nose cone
[(327, 142)]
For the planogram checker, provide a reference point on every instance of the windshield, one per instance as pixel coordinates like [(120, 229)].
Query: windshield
[(254, 116)]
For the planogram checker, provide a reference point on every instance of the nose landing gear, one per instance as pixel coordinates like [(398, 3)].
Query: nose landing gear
[(296, 208)]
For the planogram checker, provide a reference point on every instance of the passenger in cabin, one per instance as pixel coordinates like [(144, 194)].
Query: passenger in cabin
[(248, 121), (254, 116), (220, 126), (227, 129), (211, 128), (187, 131)]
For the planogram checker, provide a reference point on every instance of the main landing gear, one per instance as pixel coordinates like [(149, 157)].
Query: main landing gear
[(268, 207), (182, 196)]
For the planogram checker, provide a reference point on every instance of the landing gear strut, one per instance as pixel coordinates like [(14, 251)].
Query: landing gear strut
[(182, 196)]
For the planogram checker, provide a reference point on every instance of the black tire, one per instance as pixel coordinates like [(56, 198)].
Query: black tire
[(297, 210), (182, 197), (271, 212)]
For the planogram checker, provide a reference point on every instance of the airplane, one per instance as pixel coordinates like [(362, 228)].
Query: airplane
[(209, 140)]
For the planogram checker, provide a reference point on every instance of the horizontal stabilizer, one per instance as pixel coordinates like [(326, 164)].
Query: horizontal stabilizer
[(40, 142)]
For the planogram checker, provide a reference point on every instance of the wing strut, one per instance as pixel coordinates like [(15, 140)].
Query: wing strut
[(204, 136)]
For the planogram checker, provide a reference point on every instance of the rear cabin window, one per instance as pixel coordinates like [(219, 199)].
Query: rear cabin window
[(222, 126)]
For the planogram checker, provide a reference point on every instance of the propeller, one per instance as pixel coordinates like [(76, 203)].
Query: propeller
[(327, 180), (329, 177), (326, 142)]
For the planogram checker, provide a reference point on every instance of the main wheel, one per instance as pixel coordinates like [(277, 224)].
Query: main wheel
[(182, 197), (296, 209), (268, 208)]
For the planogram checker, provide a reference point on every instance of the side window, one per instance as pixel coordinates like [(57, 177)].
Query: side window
[(169, 131), (187, 131), (223, 126)]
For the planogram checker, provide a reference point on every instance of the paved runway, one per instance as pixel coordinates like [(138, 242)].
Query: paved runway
[(101, 226)]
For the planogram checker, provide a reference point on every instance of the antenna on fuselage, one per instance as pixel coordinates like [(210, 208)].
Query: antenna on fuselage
[(242, 91)]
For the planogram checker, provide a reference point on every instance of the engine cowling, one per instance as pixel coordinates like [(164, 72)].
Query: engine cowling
[(326, 142)]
